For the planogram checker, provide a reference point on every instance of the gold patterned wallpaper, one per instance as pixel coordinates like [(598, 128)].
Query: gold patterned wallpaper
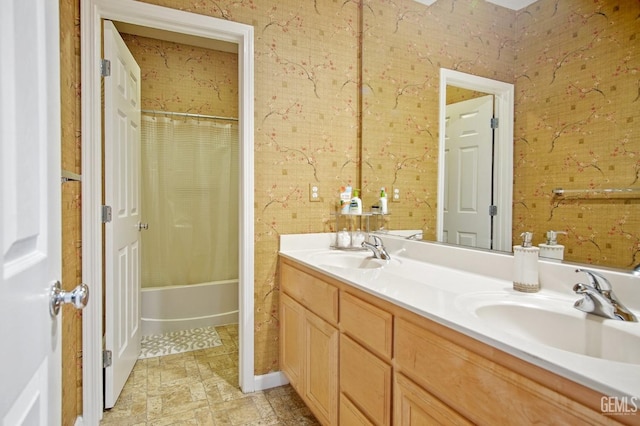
[(405, 44), (575, 66), (71, 208), (181, 78), (577, 126)]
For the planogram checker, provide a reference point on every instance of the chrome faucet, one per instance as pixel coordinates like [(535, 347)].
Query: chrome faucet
[(378, 249), (599, 298)]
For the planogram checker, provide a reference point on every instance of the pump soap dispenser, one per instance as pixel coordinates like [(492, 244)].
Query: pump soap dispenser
[(525, 265), (552, 249)]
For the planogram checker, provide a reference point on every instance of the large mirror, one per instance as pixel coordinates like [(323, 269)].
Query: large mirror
[(575, 124)]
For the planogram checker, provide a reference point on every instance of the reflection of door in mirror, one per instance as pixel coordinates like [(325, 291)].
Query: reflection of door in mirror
[(468, 183), (500, 191)]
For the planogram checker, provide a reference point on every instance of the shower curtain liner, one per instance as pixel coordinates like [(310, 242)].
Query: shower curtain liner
[(190, 201)]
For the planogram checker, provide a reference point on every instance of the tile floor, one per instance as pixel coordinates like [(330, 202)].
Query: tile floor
[(200, 388)]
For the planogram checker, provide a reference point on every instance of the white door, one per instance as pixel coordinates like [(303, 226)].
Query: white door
[(30, 209), (122, 193), (468, 182)]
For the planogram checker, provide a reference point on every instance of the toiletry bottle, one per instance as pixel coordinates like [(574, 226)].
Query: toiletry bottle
[(356, 203), (345, 199), (383, 201), (552, 250), (525, 265)]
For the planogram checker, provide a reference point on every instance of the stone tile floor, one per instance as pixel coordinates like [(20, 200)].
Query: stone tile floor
[(200, 388)]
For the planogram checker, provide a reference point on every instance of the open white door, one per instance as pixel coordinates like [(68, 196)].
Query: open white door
[(30, 209), (468, 159), (122, 194)]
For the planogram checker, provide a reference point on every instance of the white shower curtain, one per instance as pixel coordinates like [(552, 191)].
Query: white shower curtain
[(189, 200)]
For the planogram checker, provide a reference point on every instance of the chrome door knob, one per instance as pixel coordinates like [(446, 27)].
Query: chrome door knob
[(78, 297), (142, 226)]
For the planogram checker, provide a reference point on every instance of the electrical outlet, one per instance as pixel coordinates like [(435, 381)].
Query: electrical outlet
[(314, 192), (395, 195)]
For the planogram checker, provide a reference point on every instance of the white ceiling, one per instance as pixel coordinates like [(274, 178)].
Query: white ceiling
[(509, 4)]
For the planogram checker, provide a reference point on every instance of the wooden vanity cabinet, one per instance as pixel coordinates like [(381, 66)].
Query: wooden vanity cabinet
[(371, 362), (309, 340)]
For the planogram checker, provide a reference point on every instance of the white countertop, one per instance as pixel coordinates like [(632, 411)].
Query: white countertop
[(435, 280)]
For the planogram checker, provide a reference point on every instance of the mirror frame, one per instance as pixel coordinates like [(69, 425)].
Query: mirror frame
[(504, 112)]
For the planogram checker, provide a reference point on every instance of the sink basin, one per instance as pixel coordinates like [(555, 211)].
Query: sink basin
[(348, 260), (554, 322)]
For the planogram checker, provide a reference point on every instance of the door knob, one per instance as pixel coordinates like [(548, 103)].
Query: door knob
[(142, 226), (79, 297)]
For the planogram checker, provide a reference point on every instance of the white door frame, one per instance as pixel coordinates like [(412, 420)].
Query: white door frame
[(138, 13), (504, 99)]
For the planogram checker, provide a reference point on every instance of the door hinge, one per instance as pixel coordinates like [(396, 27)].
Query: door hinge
[(494, 123), (105, 68), (493, 210), (106, 214), (107, 358)]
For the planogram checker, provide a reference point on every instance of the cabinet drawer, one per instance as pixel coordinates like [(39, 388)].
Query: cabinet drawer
[(318, 296), (368, 324), (350, 415), (478, 388), (366, 380)]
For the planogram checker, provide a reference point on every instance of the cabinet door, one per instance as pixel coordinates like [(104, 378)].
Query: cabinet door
[(413, 406), (321, 368), (291, 335)]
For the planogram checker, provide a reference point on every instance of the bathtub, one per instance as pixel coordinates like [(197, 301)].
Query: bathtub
[(175, 308)]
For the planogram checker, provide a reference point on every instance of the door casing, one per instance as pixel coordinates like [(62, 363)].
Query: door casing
[(138, 13)]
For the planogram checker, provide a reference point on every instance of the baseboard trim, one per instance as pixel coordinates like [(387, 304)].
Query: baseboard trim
[(270, 380)]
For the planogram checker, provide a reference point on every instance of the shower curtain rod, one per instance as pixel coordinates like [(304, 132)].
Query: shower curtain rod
[(187, 114)]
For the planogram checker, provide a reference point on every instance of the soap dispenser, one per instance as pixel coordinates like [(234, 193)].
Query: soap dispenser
[(525, 265), (356, 203), (552, 250), (383, 201)]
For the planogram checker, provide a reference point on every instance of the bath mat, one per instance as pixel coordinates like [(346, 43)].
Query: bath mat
[(178, 342)]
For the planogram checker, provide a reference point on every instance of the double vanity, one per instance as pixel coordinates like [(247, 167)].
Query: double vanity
[(435, 334)]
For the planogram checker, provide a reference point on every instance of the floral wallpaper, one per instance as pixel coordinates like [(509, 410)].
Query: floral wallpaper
[(181, 78), (574, 64), (405, 44), (71, 208), (576, 127)]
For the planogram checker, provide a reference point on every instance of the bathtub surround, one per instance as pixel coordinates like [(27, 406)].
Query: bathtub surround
[(175, 308)]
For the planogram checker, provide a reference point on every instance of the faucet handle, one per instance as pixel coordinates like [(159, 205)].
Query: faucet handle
[(376, 240), (597, 281)]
